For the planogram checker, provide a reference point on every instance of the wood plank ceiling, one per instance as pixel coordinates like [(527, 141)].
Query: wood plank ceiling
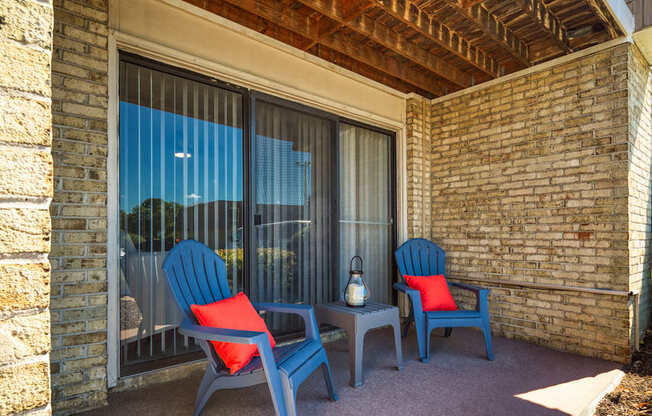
[(431, 47)]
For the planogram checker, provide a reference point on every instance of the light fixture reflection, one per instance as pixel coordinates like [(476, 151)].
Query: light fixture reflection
[(182, 155)]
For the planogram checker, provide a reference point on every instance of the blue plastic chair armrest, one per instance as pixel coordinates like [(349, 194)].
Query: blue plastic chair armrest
[(481, 294), (305, 311), (220, 334), (413, 294)]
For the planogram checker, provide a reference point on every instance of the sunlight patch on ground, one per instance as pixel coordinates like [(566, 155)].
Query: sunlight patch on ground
[(571, 397)]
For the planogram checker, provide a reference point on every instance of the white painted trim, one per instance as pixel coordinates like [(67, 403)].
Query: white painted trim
[(113, 243), (623, 15), (276, 44), (157, 52), (536, 68)]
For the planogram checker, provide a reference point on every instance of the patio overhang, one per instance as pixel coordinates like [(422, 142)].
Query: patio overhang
[(432, 47)]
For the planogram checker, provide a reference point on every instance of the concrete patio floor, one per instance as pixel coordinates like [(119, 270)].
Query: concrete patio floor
[(524, 379)]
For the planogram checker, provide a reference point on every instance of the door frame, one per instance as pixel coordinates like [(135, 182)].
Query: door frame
[(123, 42)]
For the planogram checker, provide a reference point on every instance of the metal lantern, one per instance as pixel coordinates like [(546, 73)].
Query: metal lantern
[(356, 292)]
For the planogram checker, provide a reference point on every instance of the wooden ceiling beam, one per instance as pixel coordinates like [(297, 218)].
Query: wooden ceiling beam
[(494, 29), (397, 43), (411, 15), (350, 15), (603, 15), (544, 19), (296, 23), (471, 3)]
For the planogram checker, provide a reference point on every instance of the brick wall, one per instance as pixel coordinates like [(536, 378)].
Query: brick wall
[(79, 298), (25, 192), (418, 136), (640, 198), (530, 183)]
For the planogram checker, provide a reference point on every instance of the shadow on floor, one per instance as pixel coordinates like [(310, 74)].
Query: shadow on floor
[(524, 379)]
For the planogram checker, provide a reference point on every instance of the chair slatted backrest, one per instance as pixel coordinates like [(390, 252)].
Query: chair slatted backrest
[(420, 257), (196, 275)]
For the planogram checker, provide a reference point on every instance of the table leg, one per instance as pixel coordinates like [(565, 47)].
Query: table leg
[(396, 325), (356, 348)]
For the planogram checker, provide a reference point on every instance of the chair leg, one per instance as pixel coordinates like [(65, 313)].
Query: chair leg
[(200, 401), (408, 322), (396, 326), (448, 332), (328, 378), (421, 340), (290, 395), (428, 336), (486, 331)]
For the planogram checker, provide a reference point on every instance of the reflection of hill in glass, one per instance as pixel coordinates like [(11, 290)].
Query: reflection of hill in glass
[(214, 223), (218, 224)]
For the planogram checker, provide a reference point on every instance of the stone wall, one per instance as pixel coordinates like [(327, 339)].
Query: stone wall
[(79, 288), (25, 192), (530, 184), (640, 198)]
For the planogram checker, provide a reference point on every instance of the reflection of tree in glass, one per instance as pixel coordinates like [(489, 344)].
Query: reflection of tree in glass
[(150, 218), (268, 258)]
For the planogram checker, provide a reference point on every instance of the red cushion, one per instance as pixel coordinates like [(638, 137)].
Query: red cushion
[(435, 295), (233, 313)]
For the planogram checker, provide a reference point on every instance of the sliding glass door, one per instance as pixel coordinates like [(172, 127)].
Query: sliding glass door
[(285, 194), (293, 232), (181, 177), (365, 207)]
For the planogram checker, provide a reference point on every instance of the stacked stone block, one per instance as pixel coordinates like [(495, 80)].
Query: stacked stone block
[(25, 193), (79, 227)]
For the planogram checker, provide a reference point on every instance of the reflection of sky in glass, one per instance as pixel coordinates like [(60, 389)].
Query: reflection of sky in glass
[(173, 147), (208, 155)]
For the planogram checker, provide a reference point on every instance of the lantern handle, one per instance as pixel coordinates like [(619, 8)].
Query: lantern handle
[(361, 264)]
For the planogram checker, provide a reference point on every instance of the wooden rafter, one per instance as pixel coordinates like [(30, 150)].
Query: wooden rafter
[(544, 19), (409, 14), (350, 15), (494, 29), (244, 11), (397, 43), (471, 3), (603, 16)]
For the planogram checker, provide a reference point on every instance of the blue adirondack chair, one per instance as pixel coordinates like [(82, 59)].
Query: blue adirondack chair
[(420, 257), (197, 275)]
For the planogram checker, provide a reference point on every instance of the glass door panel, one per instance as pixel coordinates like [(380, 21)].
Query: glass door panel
[(365, 219), (181, 177), (294, 176)]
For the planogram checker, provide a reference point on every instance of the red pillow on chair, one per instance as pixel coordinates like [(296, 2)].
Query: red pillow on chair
[(435, 295), (233, 313)]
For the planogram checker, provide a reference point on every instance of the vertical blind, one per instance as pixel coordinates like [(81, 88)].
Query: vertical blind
[(365, 210), (293, 223), (319, 192), (181, 177)]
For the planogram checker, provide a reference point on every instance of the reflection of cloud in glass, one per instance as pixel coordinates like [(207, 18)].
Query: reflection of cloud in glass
[(194, 196)]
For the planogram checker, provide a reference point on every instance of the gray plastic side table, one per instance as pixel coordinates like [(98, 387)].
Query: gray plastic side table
[(356, 321)]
